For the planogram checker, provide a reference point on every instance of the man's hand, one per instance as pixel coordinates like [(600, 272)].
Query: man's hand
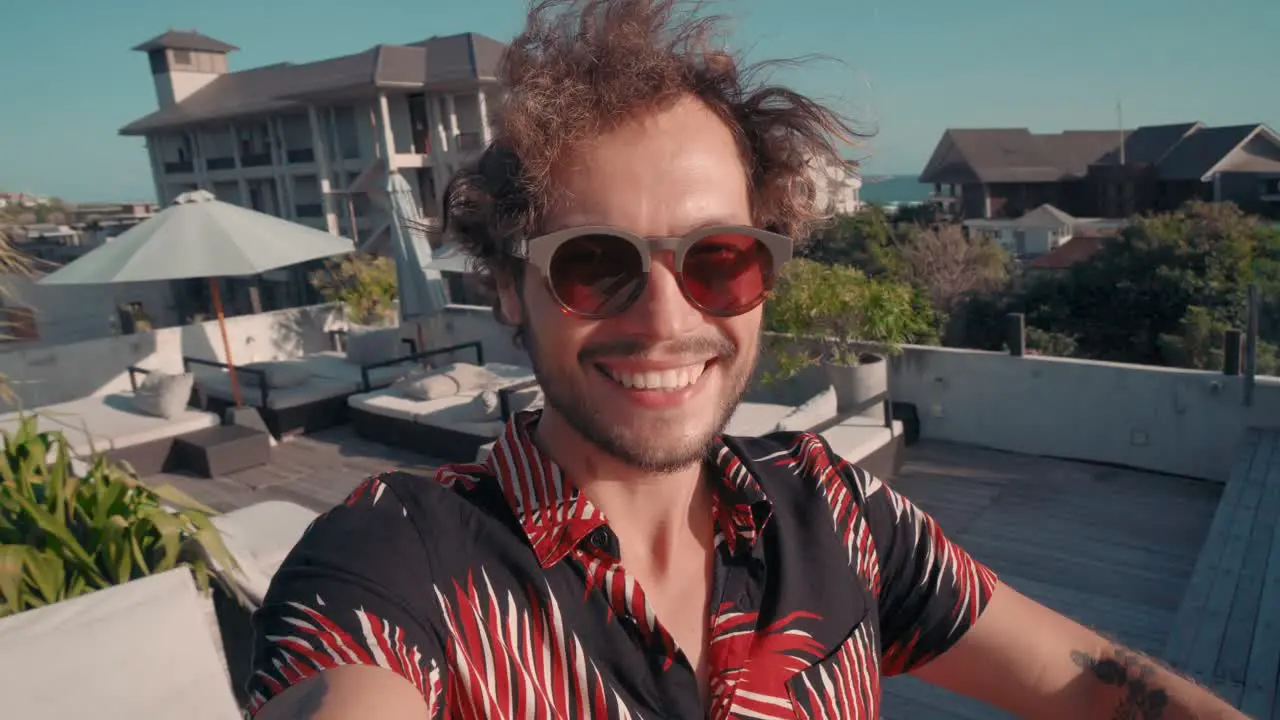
[(1033, 662)]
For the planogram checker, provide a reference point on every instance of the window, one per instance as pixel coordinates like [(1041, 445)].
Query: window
[(1020, 242), (181, 57)]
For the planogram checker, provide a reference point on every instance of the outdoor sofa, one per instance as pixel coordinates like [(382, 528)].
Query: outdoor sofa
[(874, 444), (308, 393), (448, 413), (137, 427)]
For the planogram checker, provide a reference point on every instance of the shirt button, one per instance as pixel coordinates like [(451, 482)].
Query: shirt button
[(600, 538)]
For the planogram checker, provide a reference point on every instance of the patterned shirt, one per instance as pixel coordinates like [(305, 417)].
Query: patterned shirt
[(497, 591)]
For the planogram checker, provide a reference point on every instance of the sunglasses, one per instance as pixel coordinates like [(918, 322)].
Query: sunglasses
[(598, 272)]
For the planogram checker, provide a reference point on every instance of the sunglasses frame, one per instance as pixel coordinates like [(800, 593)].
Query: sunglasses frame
[(540, 251)]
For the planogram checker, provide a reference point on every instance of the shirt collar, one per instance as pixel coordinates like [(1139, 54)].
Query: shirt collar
[(556, 517)]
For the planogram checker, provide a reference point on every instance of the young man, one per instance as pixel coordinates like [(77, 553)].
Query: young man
[(616, 556)]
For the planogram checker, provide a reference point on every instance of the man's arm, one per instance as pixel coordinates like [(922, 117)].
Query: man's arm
[(1033, 662), (346, 630), (352, 691)]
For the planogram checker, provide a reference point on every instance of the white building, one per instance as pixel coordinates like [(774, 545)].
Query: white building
[(312, 142), (839, 186), (1040, 231)]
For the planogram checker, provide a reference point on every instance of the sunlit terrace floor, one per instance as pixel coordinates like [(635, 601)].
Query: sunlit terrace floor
[(1112, 548)]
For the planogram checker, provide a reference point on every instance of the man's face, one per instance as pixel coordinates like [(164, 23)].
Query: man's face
[(653, 385)]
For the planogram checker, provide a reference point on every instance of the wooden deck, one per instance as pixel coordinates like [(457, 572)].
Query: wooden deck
[(1112, 548), (1227, 634), (316, 471)]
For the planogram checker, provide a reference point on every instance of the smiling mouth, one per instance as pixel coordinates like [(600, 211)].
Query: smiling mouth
[(669, 380)]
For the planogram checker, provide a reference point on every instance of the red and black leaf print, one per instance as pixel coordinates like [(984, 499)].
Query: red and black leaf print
[(845, 686), (462, 591), (511, 659), (317, 643)]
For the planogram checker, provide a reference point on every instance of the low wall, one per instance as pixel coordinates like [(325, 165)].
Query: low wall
[(1183, 422), (52, 374)]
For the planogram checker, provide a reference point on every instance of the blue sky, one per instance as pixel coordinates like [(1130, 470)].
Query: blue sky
[(909, 68)]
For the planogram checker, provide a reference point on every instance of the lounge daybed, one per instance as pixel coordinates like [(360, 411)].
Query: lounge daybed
[(290, 398), (448, 413), (119, 426), (309, 393), (371, 357), (873, 444)]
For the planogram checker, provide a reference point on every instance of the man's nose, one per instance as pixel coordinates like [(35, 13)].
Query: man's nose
[(662, 311)]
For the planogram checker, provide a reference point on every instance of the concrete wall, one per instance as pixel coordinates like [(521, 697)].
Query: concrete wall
[(72, 313), (43, 376), (1183, 422)]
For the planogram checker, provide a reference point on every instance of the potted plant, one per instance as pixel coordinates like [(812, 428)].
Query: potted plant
[(66, 532), (365, 284), (837, 317)]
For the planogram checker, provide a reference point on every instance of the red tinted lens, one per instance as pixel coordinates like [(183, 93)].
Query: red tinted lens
[(727, 273), (596, 274)]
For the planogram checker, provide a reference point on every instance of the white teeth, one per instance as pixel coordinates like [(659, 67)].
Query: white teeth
[(666, 380)]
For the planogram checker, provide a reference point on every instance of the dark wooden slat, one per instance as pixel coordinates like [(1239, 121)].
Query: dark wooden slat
[(1259, 697), (1233, 657), (1212, 621), (1178, 649)]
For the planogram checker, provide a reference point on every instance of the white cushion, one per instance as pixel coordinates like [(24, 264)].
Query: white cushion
[(81, 445), (857, 437), (815, 411), (113, 422), (279, 374), (336, 366), (487, 405), (460, 379), (164, 395), (259, 537), (313, 390), (457, 413), (144, 649), (756, 419), (387, 403)]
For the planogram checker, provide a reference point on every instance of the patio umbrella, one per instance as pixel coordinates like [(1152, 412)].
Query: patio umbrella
[(201, 237), (450, 258), (420, 290)]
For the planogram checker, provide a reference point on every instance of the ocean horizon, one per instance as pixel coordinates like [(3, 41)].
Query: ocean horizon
[(895, 188)]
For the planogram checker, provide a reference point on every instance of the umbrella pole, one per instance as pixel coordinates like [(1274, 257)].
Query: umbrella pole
[(226, 342)]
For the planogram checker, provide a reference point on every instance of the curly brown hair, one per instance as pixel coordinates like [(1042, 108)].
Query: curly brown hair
[(582, 67)]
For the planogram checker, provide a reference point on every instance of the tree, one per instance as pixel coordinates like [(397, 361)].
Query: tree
[(365, 284), (1140, 287), (946, 265), (1199, 343), (857, 240)]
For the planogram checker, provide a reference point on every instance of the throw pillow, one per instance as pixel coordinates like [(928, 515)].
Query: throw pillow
[(164, 395), (454, 379)]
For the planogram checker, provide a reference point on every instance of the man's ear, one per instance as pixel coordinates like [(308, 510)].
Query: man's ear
[(509, 309)]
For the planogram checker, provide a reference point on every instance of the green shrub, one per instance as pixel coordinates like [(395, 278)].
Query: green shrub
[(365, 284), (63, 535), (844, 312)]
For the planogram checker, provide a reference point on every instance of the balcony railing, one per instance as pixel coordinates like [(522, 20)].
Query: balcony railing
[(182, 166), (301, 155), (221, 163), (255, 159)]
